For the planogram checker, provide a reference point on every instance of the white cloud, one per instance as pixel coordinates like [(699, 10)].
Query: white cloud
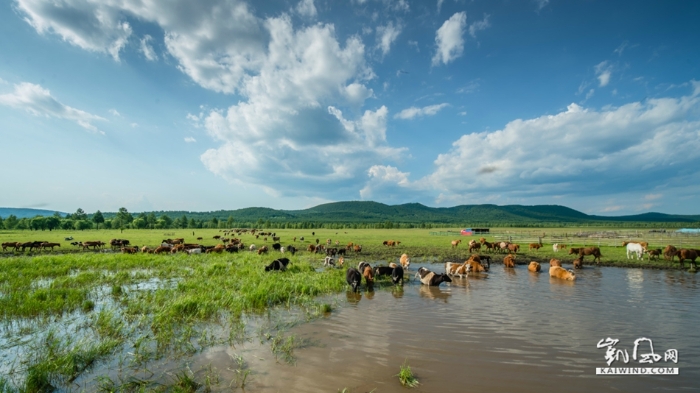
[(306, 8), (653, 197), (114, 112), (39, 102), (147, 49), (470, 87), (439, 5), (414, 44), (134, 125), (189, 139), (578, 152), (449, 39), (92, 26), (413, 111), (290, 129), (385, 180), (541, 4), (479, 25), (386, 35), (603, 71)]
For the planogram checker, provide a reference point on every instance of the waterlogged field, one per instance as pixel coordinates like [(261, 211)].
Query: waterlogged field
[(74, 320)]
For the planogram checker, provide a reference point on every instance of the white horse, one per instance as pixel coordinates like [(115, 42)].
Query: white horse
[(634, 248)]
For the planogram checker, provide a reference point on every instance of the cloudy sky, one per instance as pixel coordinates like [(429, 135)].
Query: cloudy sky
[(225, 104)]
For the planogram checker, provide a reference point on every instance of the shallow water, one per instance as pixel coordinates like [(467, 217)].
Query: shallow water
[(509, 330)]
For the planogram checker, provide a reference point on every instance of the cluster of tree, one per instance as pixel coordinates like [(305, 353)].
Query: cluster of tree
[(122, 219)]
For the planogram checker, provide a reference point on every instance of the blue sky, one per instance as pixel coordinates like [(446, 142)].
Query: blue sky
[(214, 104)]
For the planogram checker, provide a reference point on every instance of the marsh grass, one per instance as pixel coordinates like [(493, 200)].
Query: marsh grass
[(406, 376)]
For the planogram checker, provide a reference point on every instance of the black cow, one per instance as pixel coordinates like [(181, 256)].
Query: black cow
[(278, 264), (383, 270), (276, 246), (354, 278), (397, 275)]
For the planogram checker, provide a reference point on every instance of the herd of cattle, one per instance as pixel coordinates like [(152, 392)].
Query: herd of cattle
[(475, 264)]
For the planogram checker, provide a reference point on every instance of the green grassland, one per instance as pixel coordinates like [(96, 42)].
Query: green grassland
[(66, 312)]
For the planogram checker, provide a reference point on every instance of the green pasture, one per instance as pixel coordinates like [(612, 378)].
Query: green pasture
[(65, 313)]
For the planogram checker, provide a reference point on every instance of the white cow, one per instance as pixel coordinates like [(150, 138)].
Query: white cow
[(634, 248)]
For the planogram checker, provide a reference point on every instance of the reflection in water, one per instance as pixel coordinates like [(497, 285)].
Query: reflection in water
[(434, 293), (520, 332)]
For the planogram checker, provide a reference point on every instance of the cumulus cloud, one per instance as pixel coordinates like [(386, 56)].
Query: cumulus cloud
[(147, 49), (382, 178), (412, 112), (291, 129), (439, 5), (306, 8), (580, 151), (190, 139), (39, 102), (603, 71), (114, 112), (386, 35), (449, 39)]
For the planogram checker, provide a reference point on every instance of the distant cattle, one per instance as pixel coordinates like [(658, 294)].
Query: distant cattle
[(455, 243), (670, 252), (684, 254), (357, 248), (474, 247), (594, 251), (558, 247), (654, 254), (535, 246)]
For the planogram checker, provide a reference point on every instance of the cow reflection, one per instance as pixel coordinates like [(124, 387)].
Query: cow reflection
[(433, 293)]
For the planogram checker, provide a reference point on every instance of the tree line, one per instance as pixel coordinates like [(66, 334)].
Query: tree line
[(81, 221)]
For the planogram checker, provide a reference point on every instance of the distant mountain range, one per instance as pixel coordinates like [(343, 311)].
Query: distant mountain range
[(372, 212), (26, 213)]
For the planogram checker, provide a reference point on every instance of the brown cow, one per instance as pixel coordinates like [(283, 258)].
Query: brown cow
[(405, 261), (455, 243), (595, 251), (534, 267), (578, 263), (262, 250), (9, 244), (369, 275), (653, 254), (489, 246), (482, 240), (94, 244), (161, 249), (130, 250), (574, 250), (509, 260), (684, 254), (512, 247), (474, 247), (670, 252), (50, 245), (554, 262), (560, 272), (535, 246), (358, 248)]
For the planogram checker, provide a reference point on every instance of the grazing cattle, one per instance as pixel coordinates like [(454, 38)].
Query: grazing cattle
[(230, 248), (9, 244), (341, 260), (328, 261), (509, 261), (684, 254), (69, 238), (362, 265), (262, 250), (644, 245), (534, 267), (199, 250), (161, 249), (405, 261), (482, 240), (219, 248), (49, 245), (217, 237), (200, 238), (558, 247), (332, 251), (634, 249), (278, 264), (432, 279), (489, 246), (311, 248), (282, 250), (292, 249), (276, 238), (145, 249), (368, 274), (383, 270), (472, 242), (177, 248), (76, 244), (535, 246), (595, 251), (94, 244), (654, 254), (513, 247), (317, 240), (487, 259), (130, 250), (354, 278), (252, 247), (357, 248), (670, 252), (276, 246), (574, 250), (455, 243), (560, 272), (341, 251), (474, 247), (397, 275), (554, 262), (578, 263), (328, 242)]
